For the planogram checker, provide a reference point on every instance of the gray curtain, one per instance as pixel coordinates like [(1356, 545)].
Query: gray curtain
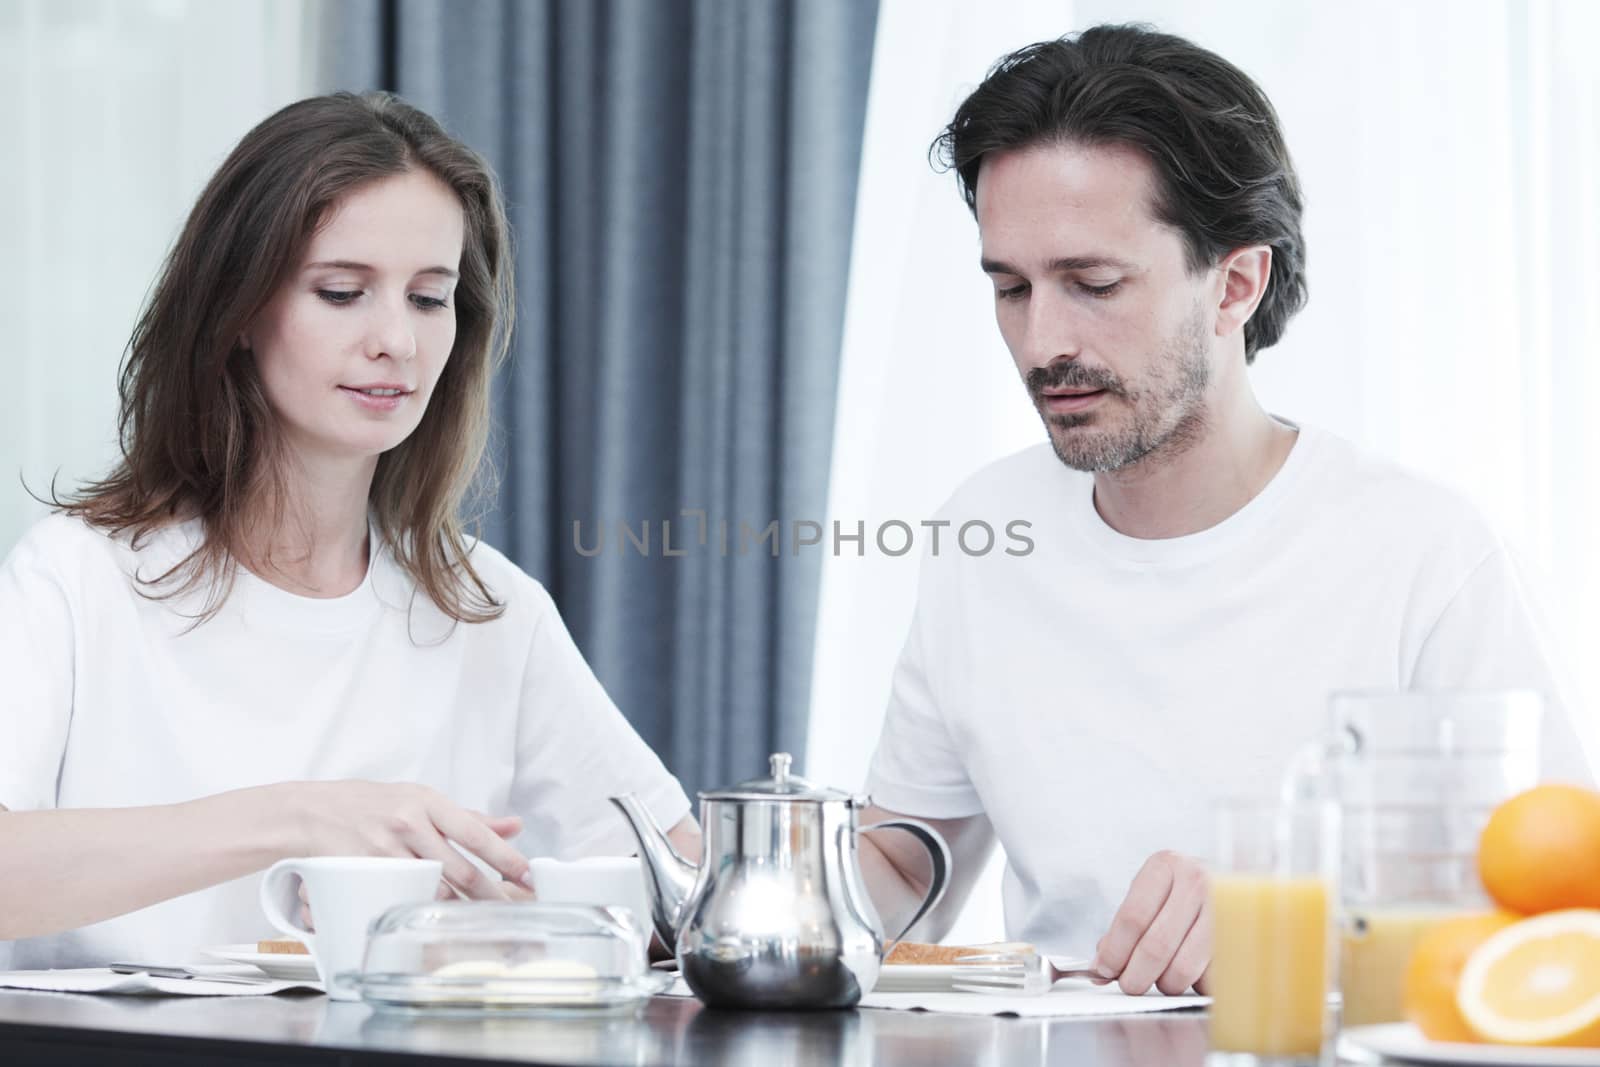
[(681, 176)]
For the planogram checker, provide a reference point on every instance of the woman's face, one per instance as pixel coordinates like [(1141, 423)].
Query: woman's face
[(352, 343)]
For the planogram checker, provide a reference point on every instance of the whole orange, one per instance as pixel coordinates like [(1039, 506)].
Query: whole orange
[(1541, 850), (1435, 968)]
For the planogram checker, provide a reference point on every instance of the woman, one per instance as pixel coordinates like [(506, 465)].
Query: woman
[(265, 633)]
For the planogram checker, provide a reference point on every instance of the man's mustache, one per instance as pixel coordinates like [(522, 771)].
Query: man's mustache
[(1069, 374)]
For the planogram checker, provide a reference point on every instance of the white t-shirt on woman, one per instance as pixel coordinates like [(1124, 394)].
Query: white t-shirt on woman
[(109, 698)]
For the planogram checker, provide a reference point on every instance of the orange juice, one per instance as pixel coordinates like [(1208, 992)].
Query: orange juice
[(1375, 947), (1269, 968)]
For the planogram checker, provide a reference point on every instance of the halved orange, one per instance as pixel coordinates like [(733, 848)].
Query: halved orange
[(1537, 982), (1434, 971)]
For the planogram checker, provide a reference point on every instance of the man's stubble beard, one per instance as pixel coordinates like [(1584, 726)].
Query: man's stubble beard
[(1168, 414)]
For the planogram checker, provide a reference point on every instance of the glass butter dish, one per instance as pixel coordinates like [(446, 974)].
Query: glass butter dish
[(474, 958)]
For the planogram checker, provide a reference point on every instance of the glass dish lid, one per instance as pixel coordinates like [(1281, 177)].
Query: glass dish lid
[(478, 957)]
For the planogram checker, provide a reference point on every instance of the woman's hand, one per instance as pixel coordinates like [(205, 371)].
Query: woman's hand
[(355, 818)]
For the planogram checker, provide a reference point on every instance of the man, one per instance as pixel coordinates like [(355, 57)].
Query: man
[(1204, 573)]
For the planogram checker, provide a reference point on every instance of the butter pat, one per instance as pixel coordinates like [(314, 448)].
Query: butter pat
[(545, 969)]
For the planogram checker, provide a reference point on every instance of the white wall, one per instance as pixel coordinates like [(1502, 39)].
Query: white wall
[(1448, 153), (118, 111)]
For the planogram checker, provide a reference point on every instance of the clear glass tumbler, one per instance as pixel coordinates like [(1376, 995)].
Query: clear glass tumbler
[(1274, 892)]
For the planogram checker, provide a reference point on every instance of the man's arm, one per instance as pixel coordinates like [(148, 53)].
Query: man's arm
[(897, 871)]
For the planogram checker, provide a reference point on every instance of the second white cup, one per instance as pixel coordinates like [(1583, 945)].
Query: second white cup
[(345, 893), (601, 881)]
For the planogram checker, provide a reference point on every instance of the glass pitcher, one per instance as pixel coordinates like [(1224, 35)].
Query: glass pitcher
[(1417, 775)]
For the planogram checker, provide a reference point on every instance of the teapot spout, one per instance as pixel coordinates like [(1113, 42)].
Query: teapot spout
[(669, 878)]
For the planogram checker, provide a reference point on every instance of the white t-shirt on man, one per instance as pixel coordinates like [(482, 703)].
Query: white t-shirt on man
[(109, 698), (1096, 695)]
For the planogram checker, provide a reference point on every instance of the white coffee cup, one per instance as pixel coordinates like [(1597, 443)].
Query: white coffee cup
[(601, 881), (345, 893)]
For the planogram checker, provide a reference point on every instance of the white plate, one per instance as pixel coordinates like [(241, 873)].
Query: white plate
[(431, 994), (291, 967), (1403, 1041)]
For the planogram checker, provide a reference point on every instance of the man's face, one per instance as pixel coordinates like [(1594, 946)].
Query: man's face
[(1111, 333)]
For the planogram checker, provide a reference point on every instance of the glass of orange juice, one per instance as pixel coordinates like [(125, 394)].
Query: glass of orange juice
[(1274, 893)]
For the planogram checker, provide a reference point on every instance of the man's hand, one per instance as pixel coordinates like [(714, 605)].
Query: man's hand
[(1161, 935)]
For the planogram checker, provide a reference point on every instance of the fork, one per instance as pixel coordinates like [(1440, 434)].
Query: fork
[(1009, 972), (184, 972)]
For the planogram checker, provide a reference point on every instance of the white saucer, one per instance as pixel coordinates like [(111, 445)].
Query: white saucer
[(291, 967), (1404, 1042)]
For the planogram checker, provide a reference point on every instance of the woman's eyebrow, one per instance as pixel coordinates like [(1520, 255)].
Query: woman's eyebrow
[(350, 264)]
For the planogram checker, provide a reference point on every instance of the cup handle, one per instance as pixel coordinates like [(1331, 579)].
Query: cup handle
[(938, 852), (275, 889)]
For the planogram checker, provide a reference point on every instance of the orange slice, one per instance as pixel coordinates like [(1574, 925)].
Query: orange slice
[(1536, 982)]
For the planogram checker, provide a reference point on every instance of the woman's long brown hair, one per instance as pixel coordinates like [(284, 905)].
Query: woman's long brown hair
[(198, 438)]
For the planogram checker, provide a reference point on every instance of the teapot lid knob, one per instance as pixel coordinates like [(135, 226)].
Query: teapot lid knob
[(782, 785)]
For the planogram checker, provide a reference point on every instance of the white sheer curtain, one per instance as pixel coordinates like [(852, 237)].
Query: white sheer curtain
[(926, 390), (116, 113), (1450, 154)]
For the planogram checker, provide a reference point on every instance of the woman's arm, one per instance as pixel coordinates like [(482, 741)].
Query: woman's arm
[(68, 868), (685, 837), (65, 868)]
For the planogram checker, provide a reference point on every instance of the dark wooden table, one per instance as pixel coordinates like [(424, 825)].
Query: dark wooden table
[(72, 1028)]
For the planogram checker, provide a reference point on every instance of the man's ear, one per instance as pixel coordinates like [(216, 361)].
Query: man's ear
[(1245, 274)]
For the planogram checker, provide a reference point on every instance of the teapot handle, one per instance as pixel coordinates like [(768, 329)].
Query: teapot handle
[(938, 853)]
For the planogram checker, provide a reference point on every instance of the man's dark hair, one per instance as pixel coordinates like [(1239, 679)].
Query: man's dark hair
[(1224, 178)]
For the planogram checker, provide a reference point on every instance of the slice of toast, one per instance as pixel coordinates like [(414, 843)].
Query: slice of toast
[(282, 948), (918, 953)]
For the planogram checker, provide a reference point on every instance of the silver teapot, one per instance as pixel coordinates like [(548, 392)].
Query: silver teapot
[(776, 916)]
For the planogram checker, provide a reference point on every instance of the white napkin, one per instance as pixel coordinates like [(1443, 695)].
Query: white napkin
[(104, 980), (1070, 997)]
